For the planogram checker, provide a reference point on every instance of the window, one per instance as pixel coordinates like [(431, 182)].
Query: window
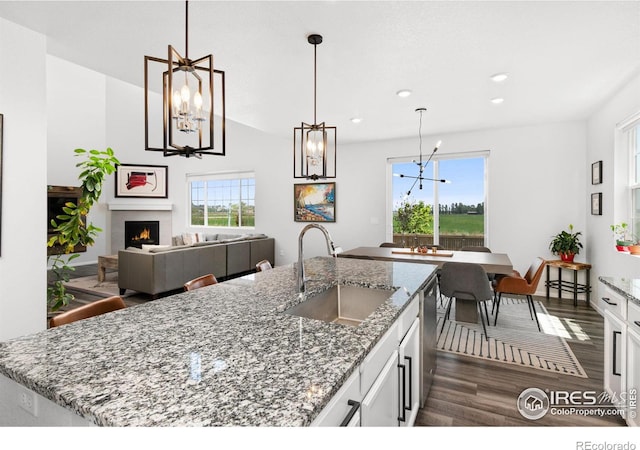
[(450, 214), (633, 135), (222, 200)]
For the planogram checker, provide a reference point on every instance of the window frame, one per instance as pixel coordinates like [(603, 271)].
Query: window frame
[(435, 174), (624, 186), (219, 176)]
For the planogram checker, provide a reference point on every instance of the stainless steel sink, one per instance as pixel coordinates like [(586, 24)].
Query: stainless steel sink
[(346, 305)]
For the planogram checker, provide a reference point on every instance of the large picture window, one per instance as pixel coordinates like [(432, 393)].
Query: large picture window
[(222, 200), (633, 139), (451, 214)]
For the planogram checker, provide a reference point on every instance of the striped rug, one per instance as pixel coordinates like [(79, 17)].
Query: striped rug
[(515, 339)]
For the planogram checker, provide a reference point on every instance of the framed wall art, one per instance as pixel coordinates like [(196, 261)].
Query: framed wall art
[(314, 202), (596, 204), (141, 181), (596, 172)]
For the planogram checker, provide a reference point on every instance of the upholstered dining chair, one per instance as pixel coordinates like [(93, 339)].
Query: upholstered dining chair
[(518, 285), (466, 281), (263, 265), (92, 309), (204, 280)]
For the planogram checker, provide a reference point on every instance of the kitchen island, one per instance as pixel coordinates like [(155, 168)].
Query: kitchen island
[(223, 355)]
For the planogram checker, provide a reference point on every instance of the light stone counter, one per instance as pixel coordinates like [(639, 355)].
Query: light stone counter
[(217, 356), (627, 287)]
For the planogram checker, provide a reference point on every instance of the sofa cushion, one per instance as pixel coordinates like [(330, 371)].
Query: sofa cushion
[(149, 247), (171, 248)]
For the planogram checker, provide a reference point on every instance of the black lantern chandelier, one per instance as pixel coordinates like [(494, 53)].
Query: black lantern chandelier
[(191, 91), (421, 165), (314, 146)]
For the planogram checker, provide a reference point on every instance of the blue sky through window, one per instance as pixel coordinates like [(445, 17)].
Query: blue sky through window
[(466, 176)]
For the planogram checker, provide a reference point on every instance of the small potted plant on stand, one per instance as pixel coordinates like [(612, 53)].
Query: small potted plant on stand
[(566, 244), (621, 233)]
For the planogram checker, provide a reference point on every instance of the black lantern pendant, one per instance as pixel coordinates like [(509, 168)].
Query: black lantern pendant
[(314, 146), (183, 115)]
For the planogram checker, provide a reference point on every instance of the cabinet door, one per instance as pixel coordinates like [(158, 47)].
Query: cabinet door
[(615, 336), (633, 373), (409, 362), (380, 406), (344, 408)]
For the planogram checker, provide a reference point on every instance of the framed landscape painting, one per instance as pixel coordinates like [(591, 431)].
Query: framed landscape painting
[(314, 202), (141, 181)]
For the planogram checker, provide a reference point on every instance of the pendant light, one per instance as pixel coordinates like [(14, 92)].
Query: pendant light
[(421, 165), (181, 103), (314, 146)]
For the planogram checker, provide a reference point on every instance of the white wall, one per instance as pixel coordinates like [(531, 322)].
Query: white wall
[(601, 146), (531, 194), (24, 181), (75, 119)]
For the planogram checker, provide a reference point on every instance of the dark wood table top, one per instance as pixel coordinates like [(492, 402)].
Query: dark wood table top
[(491, 262)]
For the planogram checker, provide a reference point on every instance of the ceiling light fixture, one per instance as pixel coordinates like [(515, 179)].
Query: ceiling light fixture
[(403, 93), (421, 166), (497, 100), (190, 90), (355, 120), (314, 146), (499, 77)]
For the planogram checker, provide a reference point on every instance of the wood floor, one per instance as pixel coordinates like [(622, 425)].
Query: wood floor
[(472, 392)]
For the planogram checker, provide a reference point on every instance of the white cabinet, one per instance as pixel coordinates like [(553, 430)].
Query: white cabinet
[(615, 335), (380, 406), (408, 361), (385, 389), (633, 364), (344, 407), (393, 399)]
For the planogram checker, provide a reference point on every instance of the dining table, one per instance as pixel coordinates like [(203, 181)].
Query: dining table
[(466, 310)]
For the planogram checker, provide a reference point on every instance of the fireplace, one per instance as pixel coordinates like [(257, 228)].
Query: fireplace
[(138, 232)]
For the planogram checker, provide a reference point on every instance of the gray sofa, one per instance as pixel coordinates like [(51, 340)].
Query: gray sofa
[(166, 268)]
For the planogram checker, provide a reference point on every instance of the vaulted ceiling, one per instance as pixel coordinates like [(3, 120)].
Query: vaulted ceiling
[(563, 58)]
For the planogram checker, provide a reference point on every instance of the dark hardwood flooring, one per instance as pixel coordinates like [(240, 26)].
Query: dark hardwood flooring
[(472, 392)]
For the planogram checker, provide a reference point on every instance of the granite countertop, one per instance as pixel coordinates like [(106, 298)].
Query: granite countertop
[(627, 287), (220, 355)]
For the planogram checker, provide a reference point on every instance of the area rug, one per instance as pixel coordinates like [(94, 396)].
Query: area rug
[(91, 285), (515, 339)]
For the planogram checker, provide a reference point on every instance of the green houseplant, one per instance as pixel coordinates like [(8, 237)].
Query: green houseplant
[(566, 244), (621, 234), (70, 228)]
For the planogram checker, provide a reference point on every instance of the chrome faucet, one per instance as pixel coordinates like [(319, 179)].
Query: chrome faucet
[(331, 248)]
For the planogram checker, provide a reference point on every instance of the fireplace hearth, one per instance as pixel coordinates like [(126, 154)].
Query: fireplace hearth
[(139, 232)]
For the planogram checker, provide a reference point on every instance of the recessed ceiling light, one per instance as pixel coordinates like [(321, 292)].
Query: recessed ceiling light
[(403, 93), (497, 100), (356, 119), (499, 77)]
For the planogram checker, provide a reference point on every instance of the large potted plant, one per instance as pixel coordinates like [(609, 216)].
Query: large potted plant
[(621, 234), (70, 228), (566, 244)]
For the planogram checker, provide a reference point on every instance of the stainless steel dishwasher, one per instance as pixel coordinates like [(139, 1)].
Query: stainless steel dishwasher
[(428, 336)]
